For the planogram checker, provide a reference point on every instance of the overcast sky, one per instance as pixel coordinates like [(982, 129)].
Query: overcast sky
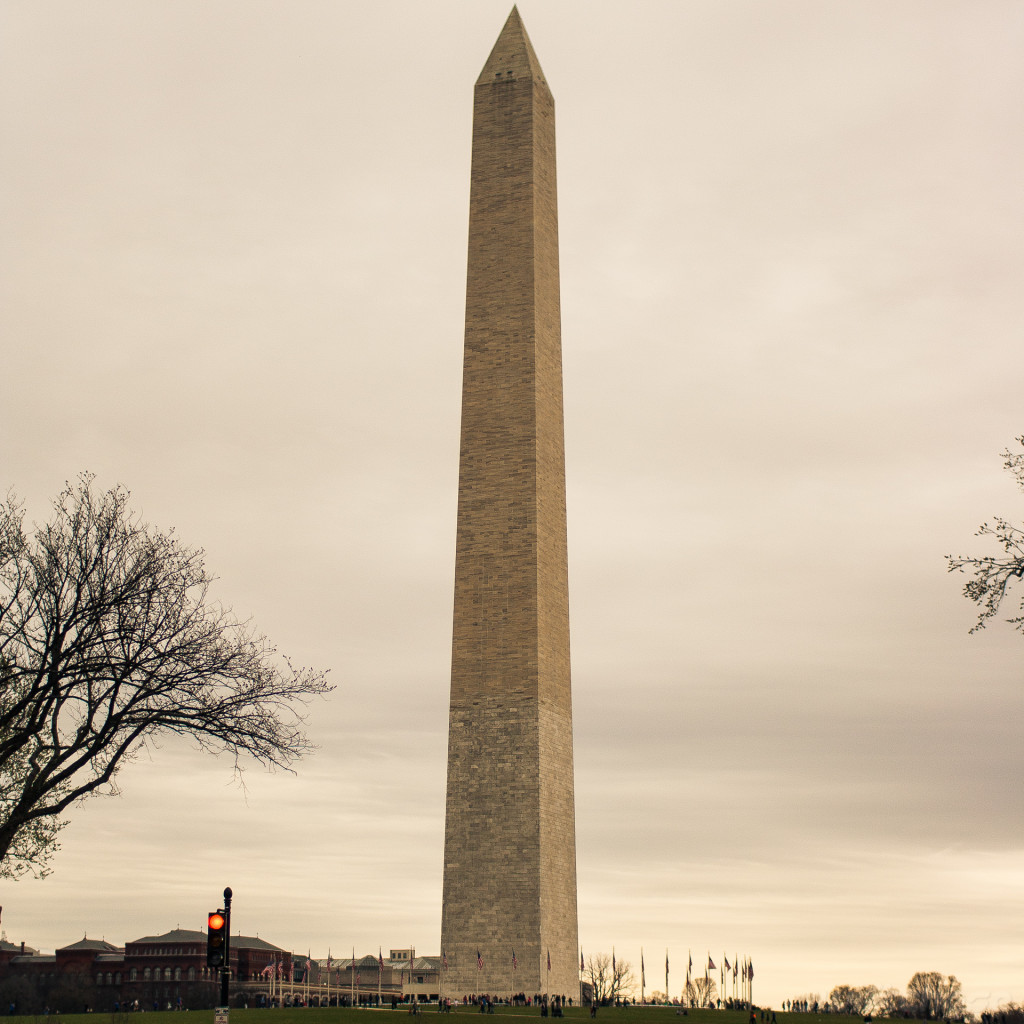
[(233, 270)]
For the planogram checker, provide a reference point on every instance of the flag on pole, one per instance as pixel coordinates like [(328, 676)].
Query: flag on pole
[(549, 959), (666, 962), (726, 959), (582, 968), (689, 966), (750, 970), (380, 959), (515, 962), (711, 963), (479, 961), (613, 961), (444, 960), (642, 976)]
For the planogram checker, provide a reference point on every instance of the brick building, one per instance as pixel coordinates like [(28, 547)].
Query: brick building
[(155, 970)]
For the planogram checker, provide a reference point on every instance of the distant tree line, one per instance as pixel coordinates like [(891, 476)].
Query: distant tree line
[(1010, 1013), (929, 996)]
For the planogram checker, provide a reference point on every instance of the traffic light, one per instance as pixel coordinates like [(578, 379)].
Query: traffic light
[(216, 929)]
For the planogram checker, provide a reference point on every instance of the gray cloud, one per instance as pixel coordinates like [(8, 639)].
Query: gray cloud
[(233, 272)]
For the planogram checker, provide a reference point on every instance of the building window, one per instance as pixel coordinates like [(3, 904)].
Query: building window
[(133, 974), (117, 978), (177, 974), (167, 974), (145, 974), (99, 978), (191, 974), (110, 978)]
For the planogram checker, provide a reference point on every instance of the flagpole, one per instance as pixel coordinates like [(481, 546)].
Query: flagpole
[(582, 970), (352, 975), (667, 999), (641, 975)]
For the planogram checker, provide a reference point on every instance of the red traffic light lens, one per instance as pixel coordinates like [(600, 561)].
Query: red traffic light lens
[(215, 922)]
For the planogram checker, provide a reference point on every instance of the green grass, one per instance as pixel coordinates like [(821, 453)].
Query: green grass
[(345, 1015)]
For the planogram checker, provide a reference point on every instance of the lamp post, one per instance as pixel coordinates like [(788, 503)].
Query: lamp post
[(225, 971)]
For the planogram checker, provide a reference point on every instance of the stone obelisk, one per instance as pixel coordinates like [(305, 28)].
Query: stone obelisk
[(510, 834)]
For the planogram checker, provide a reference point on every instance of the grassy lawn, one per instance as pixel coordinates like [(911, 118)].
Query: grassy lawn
[(344, 1015)]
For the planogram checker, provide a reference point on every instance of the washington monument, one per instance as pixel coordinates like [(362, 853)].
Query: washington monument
[(508, 921)]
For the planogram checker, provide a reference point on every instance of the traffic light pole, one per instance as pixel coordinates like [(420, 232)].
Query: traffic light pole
[(225, 971)]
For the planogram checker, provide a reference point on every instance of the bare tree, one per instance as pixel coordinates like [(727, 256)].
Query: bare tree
[(853, 999), (891, 1002), (701, 992), (934, 996), (108, 639), (993, 576), (610, 978), (1008, 1013)]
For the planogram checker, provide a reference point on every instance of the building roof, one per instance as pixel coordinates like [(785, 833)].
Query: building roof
[(420, 963), (96, 945), (15, 947), (253, 942), (183, 935), (175, 935)]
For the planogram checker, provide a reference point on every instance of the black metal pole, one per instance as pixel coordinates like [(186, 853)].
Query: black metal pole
[(225, 971)]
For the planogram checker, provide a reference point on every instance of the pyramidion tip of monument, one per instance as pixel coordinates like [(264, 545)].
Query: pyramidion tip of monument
[(512, 56)]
